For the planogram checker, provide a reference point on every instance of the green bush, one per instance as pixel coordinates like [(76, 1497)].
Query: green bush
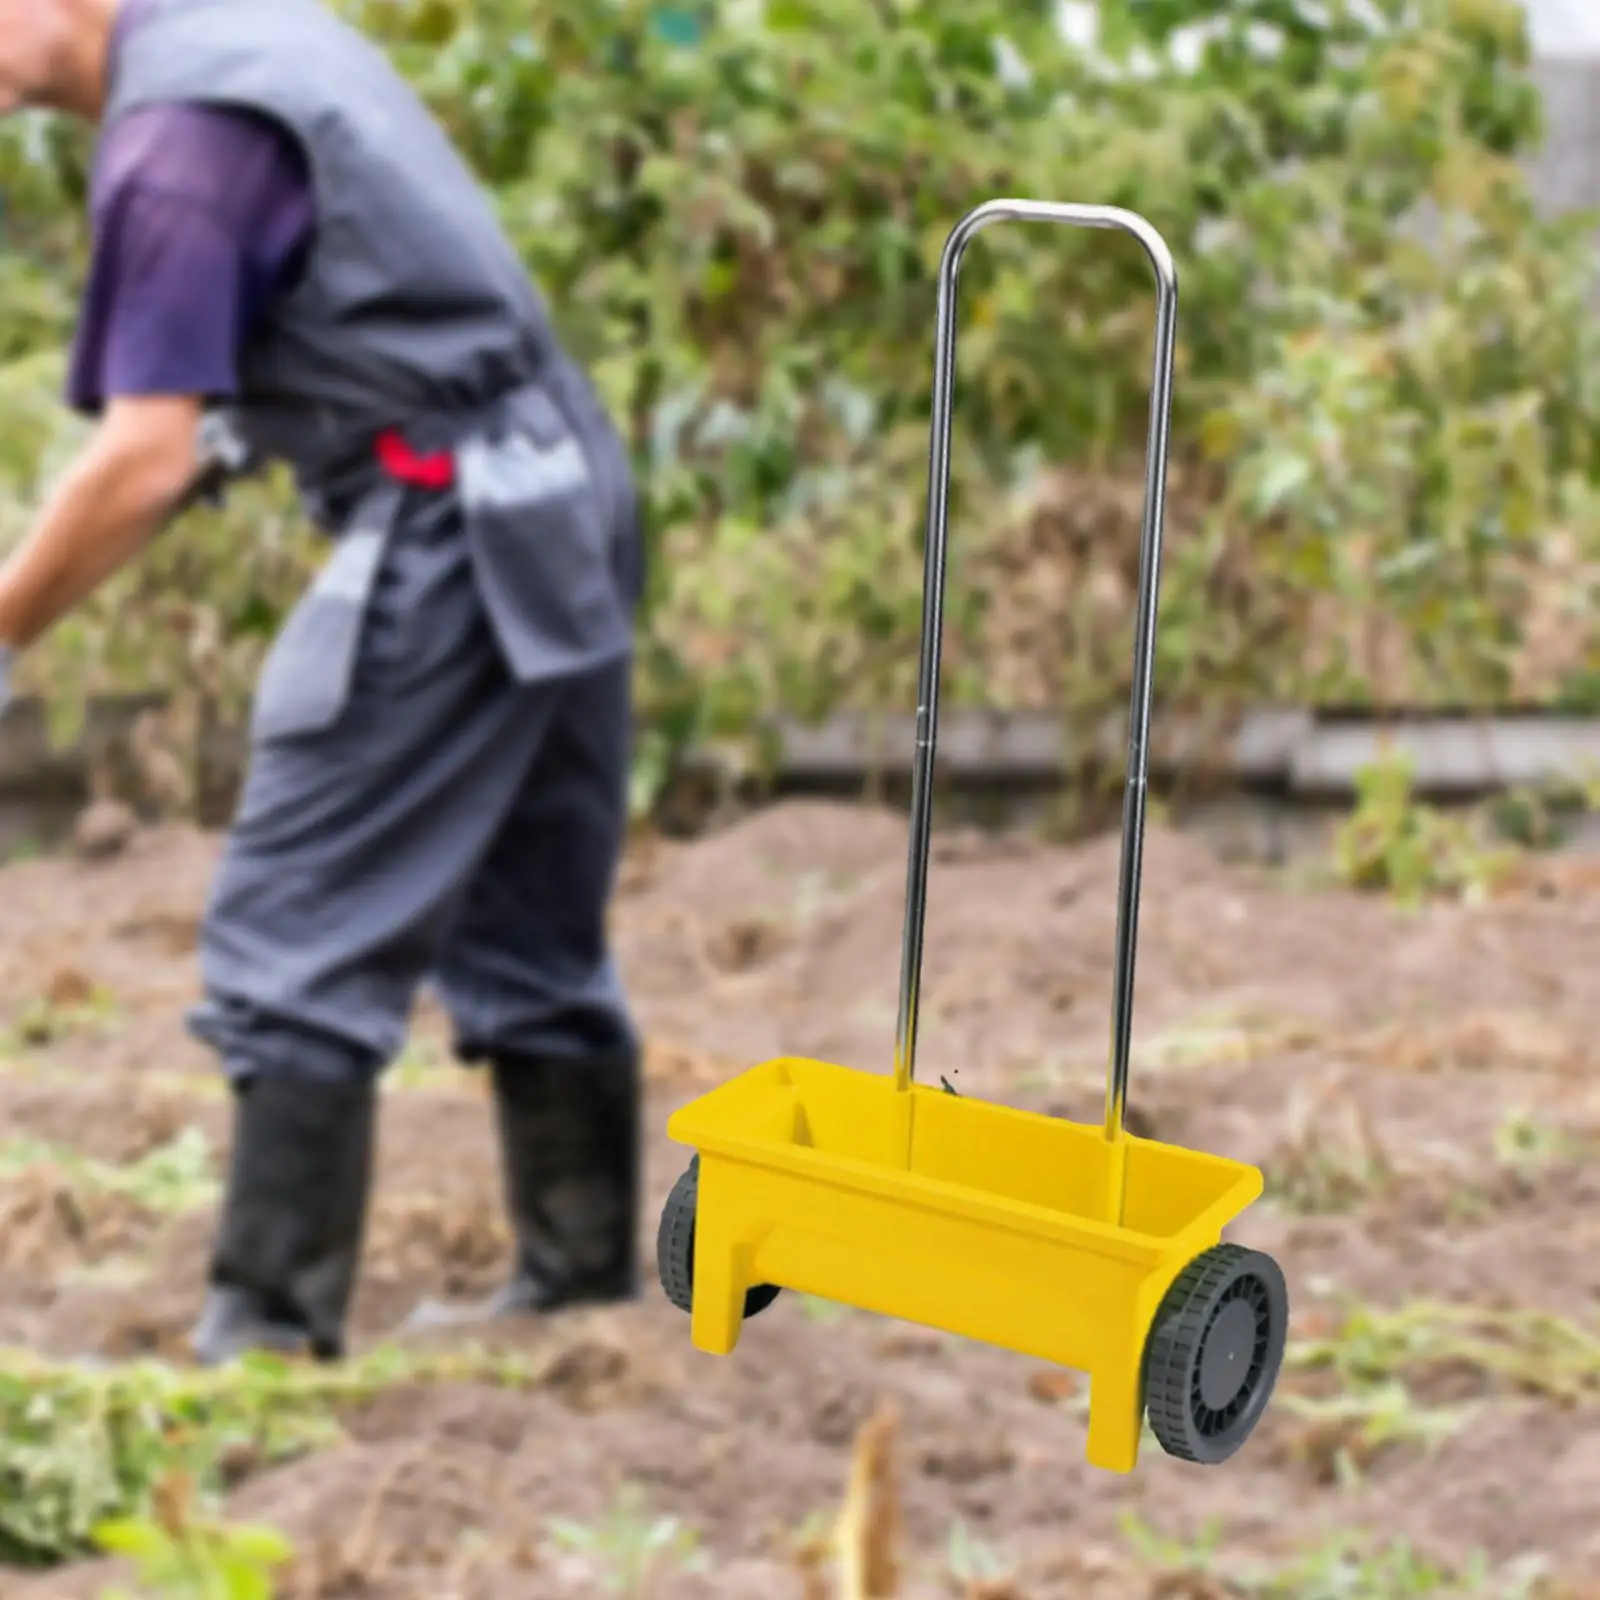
[(1388, 418)]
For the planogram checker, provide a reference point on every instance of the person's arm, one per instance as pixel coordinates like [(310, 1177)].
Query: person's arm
[(107, 507), (205, 215)]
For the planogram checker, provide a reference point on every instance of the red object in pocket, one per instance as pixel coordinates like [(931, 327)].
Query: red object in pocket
[(400, 461)]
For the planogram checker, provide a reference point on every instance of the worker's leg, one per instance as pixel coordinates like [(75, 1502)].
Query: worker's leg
[(530, 983), (365, 814)]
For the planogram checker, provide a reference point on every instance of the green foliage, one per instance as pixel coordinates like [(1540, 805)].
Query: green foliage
[(1541, 816), (46, 1019), (971, 1560), (1365, 1384), (1346, 1567), (181, 1556), (1527, 1144), (1529, 1351), (175, 1177), (84, 1446), (1388, 412), (1411, 850), (628, 1545)]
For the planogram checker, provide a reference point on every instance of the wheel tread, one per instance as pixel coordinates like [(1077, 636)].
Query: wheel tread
[(675, 1239), (675, 1248)]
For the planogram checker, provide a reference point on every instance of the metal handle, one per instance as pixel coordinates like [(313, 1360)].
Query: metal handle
[(1133, 821)]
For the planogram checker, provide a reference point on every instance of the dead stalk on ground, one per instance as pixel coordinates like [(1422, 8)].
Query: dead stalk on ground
[(867, 1533), (1332, 1155)]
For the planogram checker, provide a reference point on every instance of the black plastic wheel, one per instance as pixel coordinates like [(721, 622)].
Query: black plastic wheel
[(675, 1248), (1214, 1352)]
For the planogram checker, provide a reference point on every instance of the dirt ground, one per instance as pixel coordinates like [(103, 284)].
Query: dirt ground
[(1385, 1067)]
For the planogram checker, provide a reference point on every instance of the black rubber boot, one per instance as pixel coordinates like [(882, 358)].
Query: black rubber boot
[(289, 1245), (569, 1149)]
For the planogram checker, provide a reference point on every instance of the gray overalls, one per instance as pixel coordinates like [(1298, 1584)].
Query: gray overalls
[(438, 772), (440, 738)]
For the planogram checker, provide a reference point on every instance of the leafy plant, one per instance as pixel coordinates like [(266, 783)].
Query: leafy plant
[(1371, 1385), (1156, 1548), (629, 1544), (182, 1556), (1342, 1435), (1526, 1143), (1529, 1351), (970, 1559), (176, 1177), (1393, 842), (1540, 816), (81, 1446), (1346, 1567), (47, 1018), (1343, 1570)]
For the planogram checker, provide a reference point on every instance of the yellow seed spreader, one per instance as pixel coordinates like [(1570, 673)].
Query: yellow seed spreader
[(1079, 1245)]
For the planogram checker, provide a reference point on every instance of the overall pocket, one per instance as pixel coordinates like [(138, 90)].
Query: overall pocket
[(539, 526), (306, 679)]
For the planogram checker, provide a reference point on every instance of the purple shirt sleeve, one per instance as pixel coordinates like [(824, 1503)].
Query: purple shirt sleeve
[(201, 216)]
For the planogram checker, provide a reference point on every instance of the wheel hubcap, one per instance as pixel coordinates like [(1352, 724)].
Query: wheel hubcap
[(1228, 1355)]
